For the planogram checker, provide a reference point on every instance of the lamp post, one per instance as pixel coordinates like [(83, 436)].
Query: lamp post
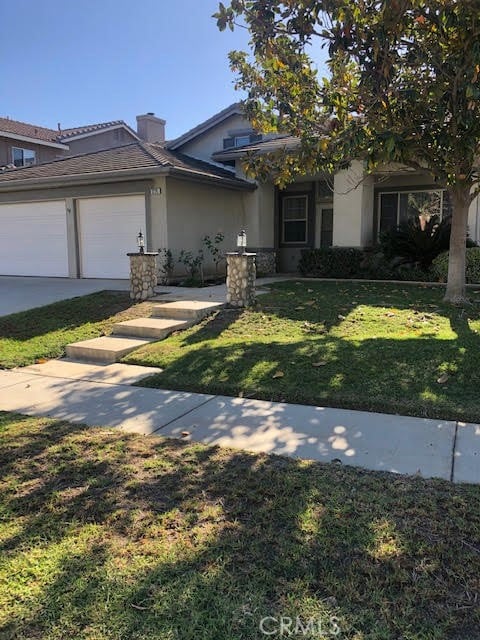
[(140, 242), (242, 241)]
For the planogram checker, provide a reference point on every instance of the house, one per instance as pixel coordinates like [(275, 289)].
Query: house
[(78, 215), (22, 144), (349, 209)]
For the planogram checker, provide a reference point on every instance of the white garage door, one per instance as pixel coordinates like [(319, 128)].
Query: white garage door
[(108, 229), (33, 239)]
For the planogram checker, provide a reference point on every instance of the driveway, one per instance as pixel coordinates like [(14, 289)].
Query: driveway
[(19, 293)]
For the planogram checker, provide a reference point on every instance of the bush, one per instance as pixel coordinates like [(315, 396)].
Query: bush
[(418, 240), (472, 272), (335, 262)]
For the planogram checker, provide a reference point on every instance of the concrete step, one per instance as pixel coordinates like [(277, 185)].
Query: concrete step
[(186, 309), (107, 349), (155, 328)]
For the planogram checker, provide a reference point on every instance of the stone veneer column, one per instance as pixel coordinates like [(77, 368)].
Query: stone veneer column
[(241, 274), (143, 275)]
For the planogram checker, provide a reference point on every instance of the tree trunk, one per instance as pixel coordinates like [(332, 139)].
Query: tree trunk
[(456, 290)]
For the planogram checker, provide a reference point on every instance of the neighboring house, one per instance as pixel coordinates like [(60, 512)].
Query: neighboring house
[(78, 216), (22, 144)]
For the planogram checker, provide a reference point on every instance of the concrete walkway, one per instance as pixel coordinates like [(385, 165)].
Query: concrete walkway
[(19, 293), (101, 395), (215, 293)]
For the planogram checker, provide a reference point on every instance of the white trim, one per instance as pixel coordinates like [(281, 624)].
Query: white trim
[(305, 219), (15, 136), (98, 131)]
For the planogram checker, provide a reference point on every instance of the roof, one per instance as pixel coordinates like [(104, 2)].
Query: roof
[(43, 134), (66, 134), (136, 159), (232, 110), (271, 145), (28, 130)]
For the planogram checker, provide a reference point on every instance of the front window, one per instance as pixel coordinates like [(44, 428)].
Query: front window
[(294, 216), (23, 157), (398, 207)]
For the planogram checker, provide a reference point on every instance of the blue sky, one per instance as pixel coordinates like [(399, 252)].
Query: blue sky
[(83, 61)]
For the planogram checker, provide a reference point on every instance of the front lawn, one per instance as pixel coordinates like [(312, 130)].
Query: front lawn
[(380, 347), (43, 333), (109, 536)]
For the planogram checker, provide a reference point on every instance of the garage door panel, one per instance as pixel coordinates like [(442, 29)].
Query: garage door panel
[(33, 239), (108, 228)]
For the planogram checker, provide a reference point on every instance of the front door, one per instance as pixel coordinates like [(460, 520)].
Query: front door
[(324, 226)]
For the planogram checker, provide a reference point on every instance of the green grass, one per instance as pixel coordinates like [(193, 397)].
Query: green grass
[(44, 332), (380, 347), (109, 536)]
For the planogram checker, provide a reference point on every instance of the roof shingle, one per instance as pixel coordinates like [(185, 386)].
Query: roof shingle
[(134, 157), (64, 134), (51, 135), (28, 130)]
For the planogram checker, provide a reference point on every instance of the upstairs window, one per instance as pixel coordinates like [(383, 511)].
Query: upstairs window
[(22, 157), (241, 140)]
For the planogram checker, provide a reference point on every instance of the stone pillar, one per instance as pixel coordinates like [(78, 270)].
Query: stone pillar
[(241, 274), (143, 275)]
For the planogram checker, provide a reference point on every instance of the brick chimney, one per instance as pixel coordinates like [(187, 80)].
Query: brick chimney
[(150, 128)]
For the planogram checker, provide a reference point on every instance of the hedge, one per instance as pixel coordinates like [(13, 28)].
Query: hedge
[(340, 262), (472, 273)]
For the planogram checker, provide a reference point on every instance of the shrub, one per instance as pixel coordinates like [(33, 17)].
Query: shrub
[(418, 240), (338, 262), (472, 272), (166, 266), (335, 262), (193, 264), (213, 246)]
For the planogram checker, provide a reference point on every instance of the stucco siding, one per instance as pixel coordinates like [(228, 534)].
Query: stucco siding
[(42, 153), (106, 140), (260, 216), (353, 207), (474, 220), (158, 214), (195, 210), (207, 143)]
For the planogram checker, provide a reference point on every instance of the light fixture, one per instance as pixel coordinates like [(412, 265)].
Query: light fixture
[(242, 241), (140, 242)]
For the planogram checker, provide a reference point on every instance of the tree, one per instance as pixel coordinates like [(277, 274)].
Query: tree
[(403, 87)]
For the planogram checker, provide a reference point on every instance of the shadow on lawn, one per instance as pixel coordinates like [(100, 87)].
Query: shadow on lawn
[(396, 375), (146, 538), (64, 315), (375, 375)]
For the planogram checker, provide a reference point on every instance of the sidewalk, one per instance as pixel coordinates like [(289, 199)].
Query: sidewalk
[(102, 395)]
